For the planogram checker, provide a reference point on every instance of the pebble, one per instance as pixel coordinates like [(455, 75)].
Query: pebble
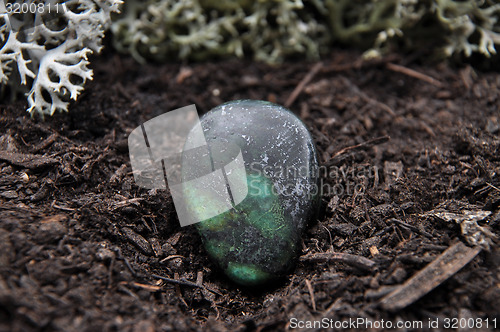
[(251, 224)]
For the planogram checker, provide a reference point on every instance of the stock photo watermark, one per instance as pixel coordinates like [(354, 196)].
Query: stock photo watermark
[(332, 180), (26, 15), (363, 323)]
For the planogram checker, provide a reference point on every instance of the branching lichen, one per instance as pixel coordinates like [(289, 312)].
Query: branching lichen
[(463, 19), (197, 29), (47, 50), (455, 26), (271, 30)]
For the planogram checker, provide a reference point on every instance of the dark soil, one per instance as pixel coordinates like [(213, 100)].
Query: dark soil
[(80, 242)]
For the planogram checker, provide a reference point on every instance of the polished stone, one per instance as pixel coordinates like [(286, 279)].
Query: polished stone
[(268, 168)]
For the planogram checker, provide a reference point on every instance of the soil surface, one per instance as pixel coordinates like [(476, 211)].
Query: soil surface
[(411, 151)]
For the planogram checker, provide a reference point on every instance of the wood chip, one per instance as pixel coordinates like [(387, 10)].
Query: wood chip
[(353, 260), (311, 294), (298, 89), (374, 251), (31, 161), (140, 242), (447, 264)]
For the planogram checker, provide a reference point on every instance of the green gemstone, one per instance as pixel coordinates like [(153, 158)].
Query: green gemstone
[(271, 195)]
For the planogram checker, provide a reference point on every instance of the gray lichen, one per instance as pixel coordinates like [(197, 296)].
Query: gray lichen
[(197, 29), (464, 19), (271, 30)]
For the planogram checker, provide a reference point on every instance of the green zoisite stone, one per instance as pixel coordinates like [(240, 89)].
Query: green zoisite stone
[(267, 161)]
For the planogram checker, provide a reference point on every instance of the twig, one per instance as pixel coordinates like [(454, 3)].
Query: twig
[(151, 288), (170, 257), (411, 227), (298, 89), (60, 207), (367, 98), (125, 260), (127, 291), (353, 260), (359, 63), (178, 290), (177, 281), (465, 75), (45, 143), (129, 267), (110, 272), (364, 145), (126, 202), (492, 186), (447, 264), (413, 73), (311, 294)]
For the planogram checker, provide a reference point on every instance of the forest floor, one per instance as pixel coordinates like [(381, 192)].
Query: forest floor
[(413, 153)]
